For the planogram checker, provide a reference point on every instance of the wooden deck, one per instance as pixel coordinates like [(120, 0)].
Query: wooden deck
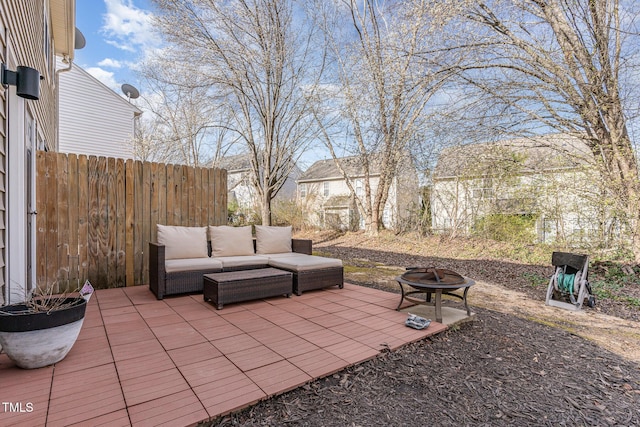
[(139, 361)]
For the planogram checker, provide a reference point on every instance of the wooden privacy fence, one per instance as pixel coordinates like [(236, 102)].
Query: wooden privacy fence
[(97, 215)]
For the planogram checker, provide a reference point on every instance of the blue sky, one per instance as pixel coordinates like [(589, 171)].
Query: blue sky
[(118, 33)]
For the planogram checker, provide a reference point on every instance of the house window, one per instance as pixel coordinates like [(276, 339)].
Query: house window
[(482, 193), (359, 188), (326, 189), (386, 217), (303, 191)]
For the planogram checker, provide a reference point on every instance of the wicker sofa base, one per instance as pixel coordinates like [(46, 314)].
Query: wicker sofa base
[(181, 282), (246, 285), (317, 279)]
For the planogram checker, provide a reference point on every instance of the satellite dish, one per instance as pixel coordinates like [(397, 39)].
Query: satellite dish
[(80, 41), (130, 91)]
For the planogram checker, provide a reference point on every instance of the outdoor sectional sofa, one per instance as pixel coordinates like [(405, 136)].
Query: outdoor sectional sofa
[(183, 255)]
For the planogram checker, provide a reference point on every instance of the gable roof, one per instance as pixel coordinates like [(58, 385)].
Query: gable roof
[(327, 169), (241, 163), (235, 163), (524, 155)]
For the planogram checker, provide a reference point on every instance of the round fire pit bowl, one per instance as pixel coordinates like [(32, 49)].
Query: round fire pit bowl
[(433, 276), (433, 281)]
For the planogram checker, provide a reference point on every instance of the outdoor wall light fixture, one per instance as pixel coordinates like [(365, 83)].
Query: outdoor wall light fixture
[(26, 79)]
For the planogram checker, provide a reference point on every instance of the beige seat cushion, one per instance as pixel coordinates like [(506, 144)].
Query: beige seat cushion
[(301, 262), (230, 241), (284, 255), (272, 240), (243, 261), (191, 264), (183, 242)]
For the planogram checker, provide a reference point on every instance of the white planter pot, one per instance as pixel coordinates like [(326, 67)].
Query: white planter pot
[(34, 340)]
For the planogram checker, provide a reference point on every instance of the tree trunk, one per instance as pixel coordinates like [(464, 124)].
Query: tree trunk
[(636, 246), (372, 226), (265, 209)]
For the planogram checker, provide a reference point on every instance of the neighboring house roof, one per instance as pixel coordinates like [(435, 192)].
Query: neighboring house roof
[(324, 170), (240, 163), (544, 153), (236, 163)]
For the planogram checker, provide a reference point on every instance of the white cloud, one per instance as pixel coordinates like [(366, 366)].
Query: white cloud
[(105, 77), (128, 27), (110, 63)]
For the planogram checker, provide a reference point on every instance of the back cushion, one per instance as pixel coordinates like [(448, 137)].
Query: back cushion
[(183, 242), (231, 241), (273, 240)]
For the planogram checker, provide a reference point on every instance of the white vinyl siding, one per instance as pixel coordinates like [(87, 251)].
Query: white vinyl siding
[(94, 120)]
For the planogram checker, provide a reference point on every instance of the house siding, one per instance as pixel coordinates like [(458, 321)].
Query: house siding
[(23, 42), (3, 156), (323, 212), (338, 210), (93, 118), (561, 201), (24, 24)]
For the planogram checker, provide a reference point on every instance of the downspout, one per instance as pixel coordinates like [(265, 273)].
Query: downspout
[(65, 59)]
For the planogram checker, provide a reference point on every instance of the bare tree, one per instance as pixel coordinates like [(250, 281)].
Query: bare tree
[(257, 56), (384, 84), (563, 65), (182, 123)]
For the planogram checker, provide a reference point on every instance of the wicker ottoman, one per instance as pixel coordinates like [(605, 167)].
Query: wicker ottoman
[(246, 285)]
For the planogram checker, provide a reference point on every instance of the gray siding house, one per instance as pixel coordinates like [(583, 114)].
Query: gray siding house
[(240, 190), (327, 201), (551, 179), (94, 120)]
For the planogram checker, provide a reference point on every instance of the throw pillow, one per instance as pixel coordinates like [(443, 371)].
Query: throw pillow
[(273, 240), (183, 242), (231, 241)]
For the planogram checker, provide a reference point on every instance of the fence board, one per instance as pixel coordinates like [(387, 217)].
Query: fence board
[(73, 225), (94, 221), (137, 228), (162, 198), (177, 179), (62, 273), (197, 194), (184, 204), (83, 217), (103, 220), (154, 208), (221, 196), (110, 214), (171, 196), (146, 225), (52, 221), (41, 219), (96, 215), (191, 178), (120, 224), (130, 218)]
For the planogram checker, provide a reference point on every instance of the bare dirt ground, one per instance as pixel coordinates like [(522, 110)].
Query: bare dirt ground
[(518, 363)]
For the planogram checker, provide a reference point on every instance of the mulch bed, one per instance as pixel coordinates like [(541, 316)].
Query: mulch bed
[(515, 276), (497, 370)]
